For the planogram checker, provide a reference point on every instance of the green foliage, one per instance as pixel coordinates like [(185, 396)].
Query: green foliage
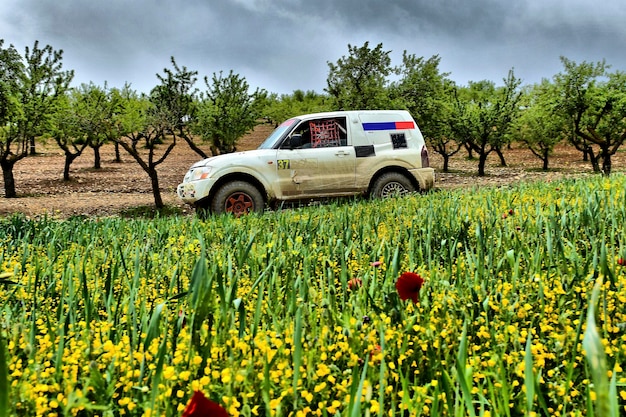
[(4, 377), (540, 126), (43, 83), (360, 80), (11, 67), (134, 117), (228, 111), (594, 102), (97, 110), (596, 357), (424, 92), (173, 100), (428, 94), (278, 109), (30, 88), (483, 115), (147, 122), (86, 116)]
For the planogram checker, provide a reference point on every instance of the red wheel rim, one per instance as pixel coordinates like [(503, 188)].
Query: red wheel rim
[(239, 203)]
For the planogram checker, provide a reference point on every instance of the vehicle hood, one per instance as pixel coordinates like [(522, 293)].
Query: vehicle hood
[(234, 158)]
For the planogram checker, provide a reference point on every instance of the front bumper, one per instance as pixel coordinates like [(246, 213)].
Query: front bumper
[(191, 192)]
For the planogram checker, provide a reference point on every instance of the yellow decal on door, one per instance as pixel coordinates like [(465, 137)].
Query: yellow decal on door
[(283, 164)]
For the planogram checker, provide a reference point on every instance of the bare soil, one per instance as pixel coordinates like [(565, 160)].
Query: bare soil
[(123, 188)]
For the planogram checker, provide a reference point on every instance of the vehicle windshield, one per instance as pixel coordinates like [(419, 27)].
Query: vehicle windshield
[(272, 140)]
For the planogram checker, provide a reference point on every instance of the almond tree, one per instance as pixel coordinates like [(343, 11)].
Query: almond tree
[(43, 84), (147, 122), (176, 97), (97, 109), (594, 103), (228, 111), (30, 88), (427, 93), (483, 116), (12, 149), (87, 118), (360, 80), (67, 133), (540, 126)]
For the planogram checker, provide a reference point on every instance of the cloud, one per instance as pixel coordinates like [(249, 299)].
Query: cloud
[(284, 45)]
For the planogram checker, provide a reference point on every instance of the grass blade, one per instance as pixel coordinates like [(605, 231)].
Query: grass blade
[(529, 376), (594, 352), (461, 370), (4, 378)]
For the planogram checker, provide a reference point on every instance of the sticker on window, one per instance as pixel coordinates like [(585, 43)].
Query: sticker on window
[(398, 140)]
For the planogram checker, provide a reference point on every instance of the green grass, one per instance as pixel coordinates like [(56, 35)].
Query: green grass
[(121, 316)]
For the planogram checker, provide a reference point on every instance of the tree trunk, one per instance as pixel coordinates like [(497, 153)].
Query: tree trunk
[(446, 162), (96, 157), (9, 179), (501, 156), (470, 151), (32, 150), (69, 158), (545, 160), (195, 148), (154, 180), (595, 161), (606, 163), (586, 155), (482, 161), (118, 157)]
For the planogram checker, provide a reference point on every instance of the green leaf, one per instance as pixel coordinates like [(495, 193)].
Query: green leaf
[(153, 327), (4, 378), (529, 376), (596, 357), (461, 371)]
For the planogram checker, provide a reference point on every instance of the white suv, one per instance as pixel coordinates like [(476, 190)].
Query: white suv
[(371, 152)]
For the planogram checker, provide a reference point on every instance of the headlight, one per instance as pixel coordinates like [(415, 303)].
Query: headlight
[(196, 174)]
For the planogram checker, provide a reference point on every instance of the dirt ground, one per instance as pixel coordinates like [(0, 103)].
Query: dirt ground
[(123, 188)]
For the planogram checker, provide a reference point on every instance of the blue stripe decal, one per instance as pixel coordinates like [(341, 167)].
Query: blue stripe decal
[(388, 125), (379, 126)]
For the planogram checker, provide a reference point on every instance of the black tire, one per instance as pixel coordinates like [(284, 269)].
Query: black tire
[(391, 184), (237, 198)]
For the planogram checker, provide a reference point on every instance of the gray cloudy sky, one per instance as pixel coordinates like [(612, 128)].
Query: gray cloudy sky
[(285, 45)]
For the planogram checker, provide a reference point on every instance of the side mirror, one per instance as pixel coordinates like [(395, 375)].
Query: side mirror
[(295, 141)]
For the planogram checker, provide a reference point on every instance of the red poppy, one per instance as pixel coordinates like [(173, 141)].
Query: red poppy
[(375, 350), (201, 406), (354, 283), (409, 285), (621, 262)]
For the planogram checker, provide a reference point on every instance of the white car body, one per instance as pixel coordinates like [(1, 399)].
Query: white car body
[(342, 154)]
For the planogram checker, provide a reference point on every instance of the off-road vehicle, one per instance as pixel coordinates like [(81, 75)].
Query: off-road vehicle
[(375, 152)]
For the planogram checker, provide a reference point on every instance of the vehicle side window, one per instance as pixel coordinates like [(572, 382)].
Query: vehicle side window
[(320, 133)]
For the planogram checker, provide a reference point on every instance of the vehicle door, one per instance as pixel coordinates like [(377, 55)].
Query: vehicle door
[(316, 160)]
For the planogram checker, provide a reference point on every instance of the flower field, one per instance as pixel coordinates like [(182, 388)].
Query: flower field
[(520, 308)]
